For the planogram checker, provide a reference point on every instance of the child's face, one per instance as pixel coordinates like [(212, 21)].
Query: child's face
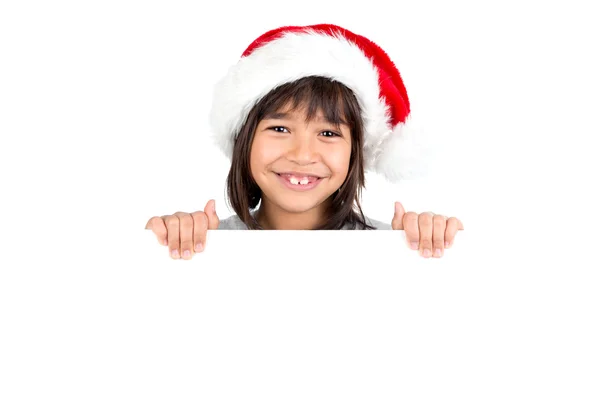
[(299, 165)]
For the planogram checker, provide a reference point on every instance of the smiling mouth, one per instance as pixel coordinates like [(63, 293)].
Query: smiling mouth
[(299, 181)]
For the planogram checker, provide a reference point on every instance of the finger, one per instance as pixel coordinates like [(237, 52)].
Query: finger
[(439, 229), (172, 224), (200, 227), (157, 225), (397, 223), (211, 214), (452, 226), (186, 232), (411, 229), (425, 233)]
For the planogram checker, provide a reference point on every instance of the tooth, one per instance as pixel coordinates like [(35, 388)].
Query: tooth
[(294, 181), (304, 181)]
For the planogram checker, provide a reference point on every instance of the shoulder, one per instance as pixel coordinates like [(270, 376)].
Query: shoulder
[(232, 223), (374, 223), (378, 224)]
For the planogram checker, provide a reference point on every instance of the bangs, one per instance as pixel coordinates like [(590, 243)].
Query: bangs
[(311, 95)]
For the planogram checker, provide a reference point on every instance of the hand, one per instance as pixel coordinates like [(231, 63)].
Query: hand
[(184, 233), (428, 232)]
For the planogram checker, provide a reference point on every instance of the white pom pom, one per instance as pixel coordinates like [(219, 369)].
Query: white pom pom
[(407, 153)]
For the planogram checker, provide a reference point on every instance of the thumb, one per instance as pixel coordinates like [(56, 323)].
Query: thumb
[(211, 213), (399, 212)]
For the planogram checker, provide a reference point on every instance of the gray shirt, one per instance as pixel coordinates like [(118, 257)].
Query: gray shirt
[(235, 223)]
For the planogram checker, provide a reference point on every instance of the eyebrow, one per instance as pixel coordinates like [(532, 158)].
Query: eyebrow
[(277, 115), (287, 116)]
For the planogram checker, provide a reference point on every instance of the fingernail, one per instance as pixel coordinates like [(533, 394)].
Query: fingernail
[(199, 247), (438, 253), (426, 253), (414, 245), (186, 254), (448, 245), (165, 242), (175, 254)]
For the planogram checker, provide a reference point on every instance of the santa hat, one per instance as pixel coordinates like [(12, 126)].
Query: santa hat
[(392, 145)]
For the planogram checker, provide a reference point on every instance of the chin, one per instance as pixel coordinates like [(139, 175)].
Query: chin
[(297, 204)]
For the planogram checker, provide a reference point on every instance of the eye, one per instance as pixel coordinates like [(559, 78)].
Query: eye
[(279, 129), (330, 134)]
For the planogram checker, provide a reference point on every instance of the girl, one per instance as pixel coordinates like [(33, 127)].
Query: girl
[(302, 116)]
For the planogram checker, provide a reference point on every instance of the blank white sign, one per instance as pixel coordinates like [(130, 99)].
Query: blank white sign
[(298, 315)]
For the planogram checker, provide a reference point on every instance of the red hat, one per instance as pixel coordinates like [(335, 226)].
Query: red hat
[(392, 146)]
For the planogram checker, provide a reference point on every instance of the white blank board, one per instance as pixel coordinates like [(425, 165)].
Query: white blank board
[(299, 315)]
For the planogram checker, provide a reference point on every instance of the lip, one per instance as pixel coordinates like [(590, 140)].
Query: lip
[(298, 174), (298, 188)]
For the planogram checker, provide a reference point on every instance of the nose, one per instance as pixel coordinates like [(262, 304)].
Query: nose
[(303, 149)]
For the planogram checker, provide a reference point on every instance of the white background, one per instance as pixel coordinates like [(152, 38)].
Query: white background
[(104, 123)]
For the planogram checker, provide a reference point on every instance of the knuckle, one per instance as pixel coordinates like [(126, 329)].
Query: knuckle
[(171, 221), (425, 224), (411, 217), (439, 225), (424, 217), (439, 220), (186, 222)]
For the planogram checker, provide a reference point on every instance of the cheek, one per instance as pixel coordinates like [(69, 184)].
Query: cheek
[(262, 153), (339, 161)]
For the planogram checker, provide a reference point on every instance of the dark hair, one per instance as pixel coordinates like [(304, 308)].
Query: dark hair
[(339, 105)]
